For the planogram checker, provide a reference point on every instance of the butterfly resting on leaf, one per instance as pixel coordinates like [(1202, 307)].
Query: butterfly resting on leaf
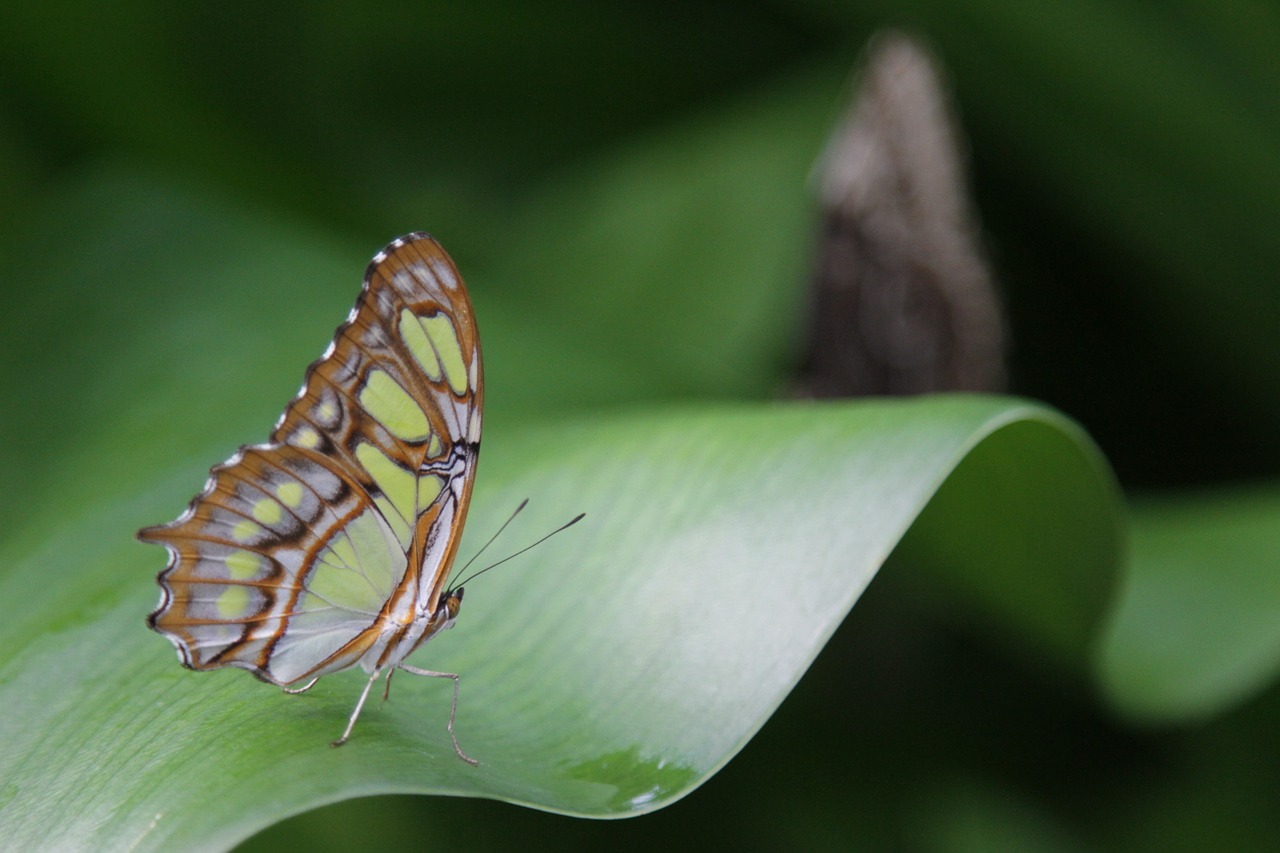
[(331, 544)]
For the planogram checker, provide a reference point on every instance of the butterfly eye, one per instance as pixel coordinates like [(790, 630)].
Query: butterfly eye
[(447, 612)]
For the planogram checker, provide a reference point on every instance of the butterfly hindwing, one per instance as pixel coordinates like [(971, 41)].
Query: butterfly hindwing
[(312, 552)]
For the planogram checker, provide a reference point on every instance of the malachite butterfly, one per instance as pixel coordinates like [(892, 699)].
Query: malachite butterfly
[(331, 544)]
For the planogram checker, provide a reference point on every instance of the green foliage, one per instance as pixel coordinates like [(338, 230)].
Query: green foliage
[(609, 674), (191, 194)]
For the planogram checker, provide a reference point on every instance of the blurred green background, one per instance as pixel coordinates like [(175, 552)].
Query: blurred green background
[(1126, 166)]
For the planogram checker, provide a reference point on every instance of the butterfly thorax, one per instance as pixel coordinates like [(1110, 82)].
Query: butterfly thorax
[(402, 639)]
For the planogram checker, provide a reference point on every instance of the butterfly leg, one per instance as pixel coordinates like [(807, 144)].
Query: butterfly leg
[(296, 690), (355, 715), (453, 711)]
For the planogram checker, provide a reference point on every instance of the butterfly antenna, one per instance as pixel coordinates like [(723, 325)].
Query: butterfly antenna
[(510, 519), (570, 523)]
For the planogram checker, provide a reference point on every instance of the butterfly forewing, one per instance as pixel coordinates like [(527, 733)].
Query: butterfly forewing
[(321, 548)]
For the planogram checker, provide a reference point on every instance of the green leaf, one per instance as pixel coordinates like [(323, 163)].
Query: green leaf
[(1016, 569), (608, 673), (1195, 631)]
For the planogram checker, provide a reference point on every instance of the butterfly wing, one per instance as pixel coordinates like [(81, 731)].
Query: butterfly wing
[(321, 548)]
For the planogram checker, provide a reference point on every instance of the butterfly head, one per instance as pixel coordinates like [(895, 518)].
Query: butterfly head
[(447, 609)]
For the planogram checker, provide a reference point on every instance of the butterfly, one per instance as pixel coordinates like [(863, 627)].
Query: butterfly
[(331, 544)]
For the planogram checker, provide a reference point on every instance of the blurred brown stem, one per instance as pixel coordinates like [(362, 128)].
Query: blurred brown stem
[(903, 302)]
